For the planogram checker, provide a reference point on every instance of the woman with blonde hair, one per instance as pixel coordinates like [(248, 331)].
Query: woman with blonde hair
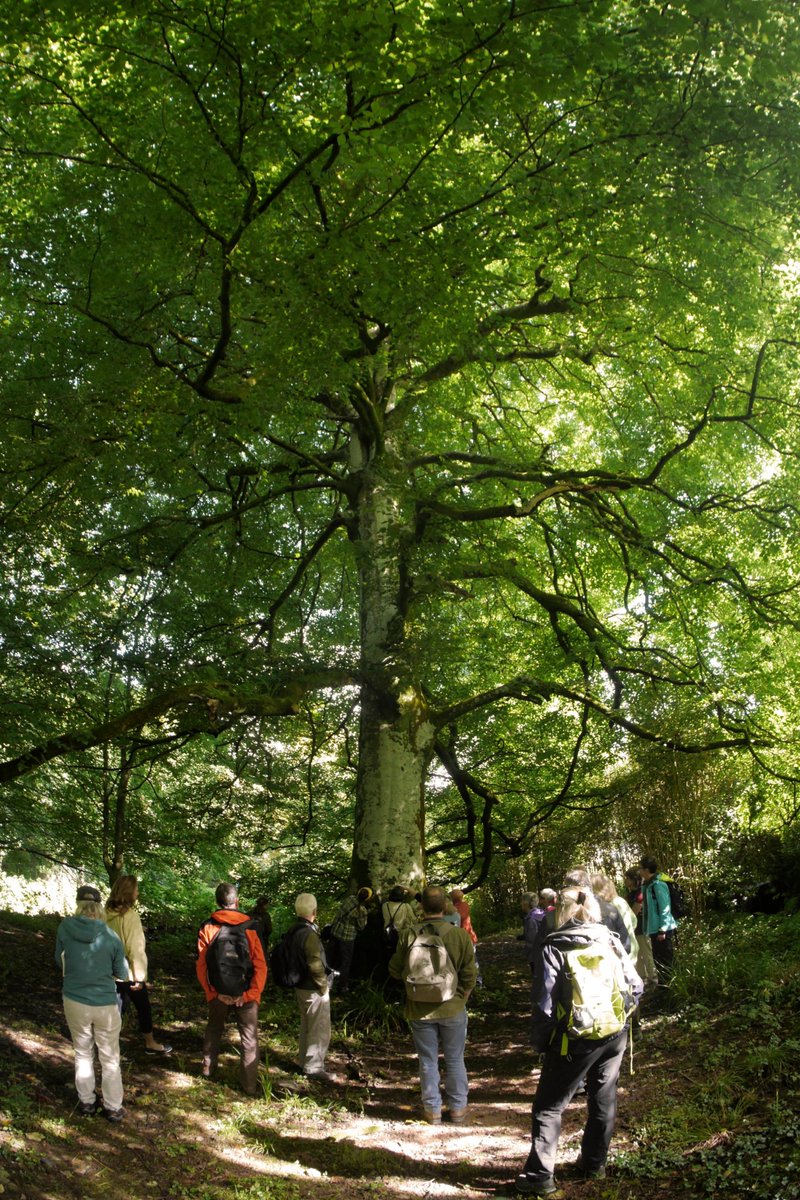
[(604, 889), (578, 1042), (122, 917), (91, 958)]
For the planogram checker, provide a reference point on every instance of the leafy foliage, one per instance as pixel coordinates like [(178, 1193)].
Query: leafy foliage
[(404, 422)]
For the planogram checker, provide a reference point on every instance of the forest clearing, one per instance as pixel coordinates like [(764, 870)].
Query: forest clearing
[(399, 475), (712, 1107)]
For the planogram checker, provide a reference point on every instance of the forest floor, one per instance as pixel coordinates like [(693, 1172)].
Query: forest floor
[(185, 1138)]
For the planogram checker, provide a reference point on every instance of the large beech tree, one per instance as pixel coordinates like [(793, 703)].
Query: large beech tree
[(434, 360)]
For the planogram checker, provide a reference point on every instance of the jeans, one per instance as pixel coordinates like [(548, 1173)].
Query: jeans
[(93, 1025), (246, 1018), (599, 1063), (315, 1029), (451, 1033)]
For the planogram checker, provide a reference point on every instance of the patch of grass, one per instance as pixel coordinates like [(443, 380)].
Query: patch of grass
[(369, 1015)]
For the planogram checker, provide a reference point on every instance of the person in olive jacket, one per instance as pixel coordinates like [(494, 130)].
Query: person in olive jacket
[(313, 992), (92, 958), (444, 1023)]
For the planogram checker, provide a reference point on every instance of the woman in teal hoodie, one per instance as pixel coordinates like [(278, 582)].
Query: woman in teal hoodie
[(92, 959), (657, 920)]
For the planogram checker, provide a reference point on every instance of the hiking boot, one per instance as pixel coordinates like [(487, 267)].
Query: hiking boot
[(589, 1172), (433, 1118), (89, 1110), (458, 1116), (529, 1185), (114, 1114)]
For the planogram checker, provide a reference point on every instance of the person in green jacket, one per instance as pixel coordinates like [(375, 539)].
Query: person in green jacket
[(442, 1024), (657, 921), (92, 958)]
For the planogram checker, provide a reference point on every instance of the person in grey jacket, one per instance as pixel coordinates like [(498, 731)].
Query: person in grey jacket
[(92, 958)]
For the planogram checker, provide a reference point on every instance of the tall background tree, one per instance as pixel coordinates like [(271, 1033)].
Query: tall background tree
[(421, 373)]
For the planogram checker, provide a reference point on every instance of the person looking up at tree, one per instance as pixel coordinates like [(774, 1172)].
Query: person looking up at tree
[(658, 922), (350, 920), (91, 957), (122, 917), (232, 971)]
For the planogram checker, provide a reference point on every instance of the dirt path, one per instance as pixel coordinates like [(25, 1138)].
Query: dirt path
[(186, 1139)]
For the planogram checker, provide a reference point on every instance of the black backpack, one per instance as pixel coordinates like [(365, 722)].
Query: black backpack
[(287, 964), (228, 961), (677, 900), (391, 934)]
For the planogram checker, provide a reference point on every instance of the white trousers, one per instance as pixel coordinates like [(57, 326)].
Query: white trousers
[(97, 1025)]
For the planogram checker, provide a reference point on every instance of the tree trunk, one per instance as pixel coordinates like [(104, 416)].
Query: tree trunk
[(115, 797), (395, 735)]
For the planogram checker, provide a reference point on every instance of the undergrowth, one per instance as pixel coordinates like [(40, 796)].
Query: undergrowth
[(732, 1128)]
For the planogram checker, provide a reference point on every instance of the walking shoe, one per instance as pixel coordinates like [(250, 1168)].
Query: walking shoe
[(529, 1185), (89, 1110), (433, 1118), (589, 1172), (321, 1076), (458, 1116), (166, 1048), (114, 1114)]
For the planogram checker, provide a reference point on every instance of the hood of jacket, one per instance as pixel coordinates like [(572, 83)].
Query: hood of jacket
[(573, 934), (229, 916), (83, 929)]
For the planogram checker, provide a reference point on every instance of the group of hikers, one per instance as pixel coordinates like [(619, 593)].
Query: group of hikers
[(591, 952)]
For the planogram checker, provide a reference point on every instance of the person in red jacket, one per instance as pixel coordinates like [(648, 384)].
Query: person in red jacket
[(462, 908), (242, 971)]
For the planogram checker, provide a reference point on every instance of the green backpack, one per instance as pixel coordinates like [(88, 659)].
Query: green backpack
[(601, 997)]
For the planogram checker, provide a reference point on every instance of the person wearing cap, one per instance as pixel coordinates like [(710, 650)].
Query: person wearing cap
[(92, 958), (350, 920)]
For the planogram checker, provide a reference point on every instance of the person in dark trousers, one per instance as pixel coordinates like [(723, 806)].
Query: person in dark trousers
[(261, 921), (350, 920), (537, 922), (244, 1007), (568, 1058), (658, 922), (122, 917)]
